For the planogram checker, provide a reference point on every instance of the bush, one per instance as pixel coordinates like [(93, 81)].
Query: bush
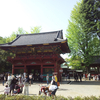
[(23, 97)]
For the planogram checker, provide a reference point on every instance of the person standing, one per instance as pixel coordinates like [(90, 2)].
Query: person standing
[(20, 82), (12, 85), (47, 79), (26, 85), (41, 78), (80, 75), (55, 79), (9, 78), (84, 77), (6, 90), (3, 79), (31, 79), (68, 77), (89, 76), (24, 74)]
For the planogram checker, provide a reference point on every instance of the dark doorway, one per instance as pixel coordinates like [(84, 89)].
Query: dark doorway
[(35, 70)]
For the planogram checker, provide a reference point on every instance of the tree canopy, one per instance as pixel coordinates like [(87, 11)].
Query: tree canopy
[(82, 33)]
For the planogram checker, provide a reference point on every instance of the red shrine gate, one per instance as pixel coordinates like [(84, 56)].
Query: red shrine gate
[(37, 53), (43, 64)]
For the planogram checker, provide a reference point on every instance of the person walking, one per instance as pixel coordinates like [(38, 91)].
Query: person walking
[(47, 79)]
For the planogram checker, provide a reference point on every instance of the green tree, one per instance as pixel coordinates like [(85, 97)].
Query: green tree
[(82, 33), (36, 29), (5, 66), (2, 40)]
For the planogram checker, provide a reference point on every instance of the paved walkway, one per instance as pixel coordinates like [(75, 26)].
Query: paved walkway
[(85, 88)]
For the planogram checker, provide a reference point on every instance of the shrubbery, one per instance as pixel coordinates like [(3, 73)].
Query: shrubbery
[(22, 97)]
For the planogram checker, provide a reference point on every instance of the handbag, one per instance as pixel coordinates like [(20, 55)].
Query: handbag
[(52, 82), (4, 78), (58, 84)]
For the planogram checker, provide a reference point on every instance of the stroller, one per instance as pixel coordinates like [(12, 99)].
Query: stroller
[(17, 89), (44, 90)]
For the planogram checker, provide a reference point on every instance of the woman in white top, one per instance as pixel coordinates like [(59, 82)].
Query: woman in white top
[(20, 82), (9, 79)]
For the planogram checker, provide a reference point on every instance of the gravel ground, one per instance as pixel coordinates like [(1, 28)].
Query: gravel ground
[(84, 88)]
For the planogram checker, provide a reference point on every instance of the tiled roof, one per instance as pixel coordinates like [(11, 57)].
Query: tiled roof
[(95, 59), (36, 38)]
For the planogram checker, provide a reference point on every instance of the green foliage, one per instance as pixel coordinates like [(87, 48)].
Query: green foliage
[(36, 29), (5, 66), (2, 40), (82, 32), (22, 97)]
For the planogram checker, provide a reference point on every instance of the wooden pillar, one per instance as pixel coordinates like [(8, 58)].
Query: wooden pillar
[(98, 69), (59, 73), (25, 68), (55, 69), (41, 68), (13, 69)]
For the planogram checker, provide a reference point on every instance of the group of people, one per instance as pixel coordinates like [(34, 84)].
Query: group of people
[(85, 77), (50, 89), (14, 83), (93, 77), (78, 77)]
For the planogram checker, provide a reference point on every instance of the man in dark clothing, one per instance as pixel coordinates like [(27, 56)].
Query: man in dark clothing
[(80, 75), (3, 79), (12, 85)]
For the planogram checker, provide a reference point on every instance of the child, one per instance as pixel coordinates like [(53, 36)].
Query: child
[(6, 90)]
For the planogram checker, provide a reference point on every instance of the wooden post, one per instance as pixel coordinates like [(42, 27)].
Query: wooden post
[(25, 68), (13, 69), (55, 69), (41, 68)]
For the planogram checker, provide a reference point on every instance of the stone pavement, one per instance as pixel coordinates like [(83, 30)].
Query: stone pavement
[(84, 88)]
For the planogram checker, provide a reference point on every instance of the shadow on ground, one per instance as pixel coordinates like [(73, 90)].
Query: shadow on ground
[(61, 89), (81, 83)]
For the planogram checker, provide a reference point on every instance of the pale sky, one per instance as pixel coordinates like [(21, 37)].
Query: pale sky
[(51, 15)]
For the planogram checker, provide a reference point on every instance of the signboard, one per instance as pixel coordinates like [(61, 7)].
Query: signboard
[(61, 70)]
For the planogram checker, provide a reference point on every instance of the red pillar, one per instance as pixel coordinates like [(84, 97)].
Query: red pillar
[(55, 67), (25, 68), (13, 69), (41, 68)]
